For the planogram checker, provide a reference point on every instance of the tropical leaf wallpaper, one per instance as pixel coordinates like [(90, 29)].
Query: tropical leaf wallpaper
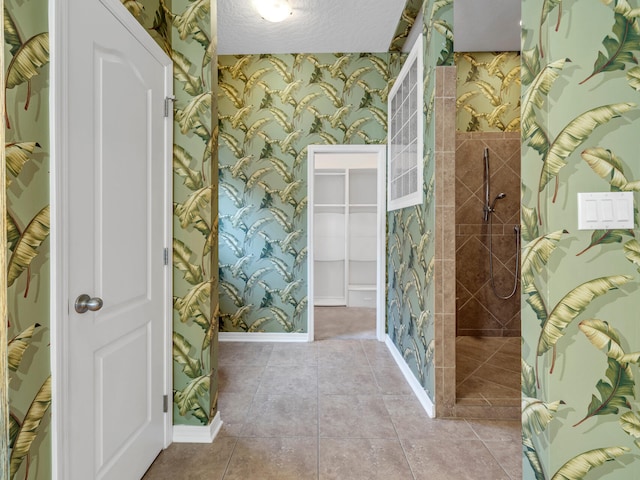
[(579, 118), (185, 29), (27, 152), (488, 91), (410, 241), (271, 108), (407, 20), (581, 342)]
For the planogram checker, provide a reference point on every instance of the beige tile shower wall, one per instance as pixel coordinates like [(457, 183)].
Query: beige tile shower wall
[(480, 312), (445, 267)]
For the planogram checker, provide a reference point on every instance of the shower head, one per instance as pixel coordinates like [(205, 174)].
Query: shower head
[(500, 196)]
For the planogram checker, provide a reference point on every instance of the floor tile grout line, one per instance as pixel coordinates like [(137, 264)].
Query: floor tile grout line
[(472, 429), (226, 467), (497, 460), (404, 452), (488, 449), (516, 389), (373, 372), (485, 399), (253, 397), (467, 377), (499, 350), (244, 425)]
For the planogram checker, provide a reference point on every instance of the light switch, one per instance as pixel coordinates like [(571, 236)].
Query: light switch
[(624, 213), (605, 211), (591, 210)]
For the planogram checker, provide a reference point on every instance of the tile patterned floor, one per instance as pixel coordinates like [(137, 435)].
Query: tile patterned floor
[(488, 371), (345, 323), (334, 409)]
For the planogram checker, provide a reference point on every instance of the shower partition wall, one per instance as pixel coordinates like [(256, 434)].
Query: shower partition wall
[(445, 248)]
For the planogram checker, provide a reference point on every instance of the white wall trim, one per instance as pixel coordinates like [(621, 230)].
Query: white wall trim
[(58, 38), (263, 337), (168, 242), (197, 434), (381, 267), (418, 391), (396, 159)]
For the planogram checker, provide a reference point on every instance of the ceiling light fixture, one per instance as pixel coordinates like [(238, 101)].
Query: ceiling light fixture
[(273, 10)]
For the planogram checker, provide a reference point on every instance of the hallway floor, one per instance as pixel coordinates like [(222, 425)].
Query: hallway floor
[(334, 409)]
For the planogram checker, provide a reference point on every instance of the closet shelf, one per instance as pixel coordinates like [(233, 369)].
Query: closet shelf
[(361, 287), (345, 236)]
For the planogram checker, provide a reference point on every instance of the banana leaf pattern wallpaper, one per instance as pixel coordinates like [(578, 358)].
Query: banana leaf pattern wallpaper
[(195, 336), (27, 151), (581, 343), (185, 29), (407, 19), (410, 242), (271, 108), (488, 92)]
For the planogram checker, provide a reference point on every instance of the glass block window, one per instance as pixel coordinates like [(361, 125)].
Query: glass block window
[(404, 175)]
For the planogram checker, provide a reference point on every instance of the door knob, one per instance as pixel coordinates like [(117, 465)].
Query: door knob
[(84, 302)]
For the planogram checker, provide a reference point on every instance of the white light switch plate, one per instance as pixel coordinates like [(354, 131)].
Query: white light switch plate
[(605, 211)]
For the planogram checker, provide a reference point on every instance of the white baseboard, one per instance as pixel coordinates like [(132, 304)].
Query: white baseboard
[(195, 434), (262, 337), (418, 390)]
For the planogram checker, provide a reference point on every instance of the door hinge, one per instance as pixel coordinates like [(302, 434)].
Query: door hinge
[(166, 256), (165, 403), (168, 103)]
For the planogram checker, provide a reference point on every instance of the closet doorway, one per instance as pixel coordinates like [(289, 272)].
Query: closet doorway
[(346, 230)]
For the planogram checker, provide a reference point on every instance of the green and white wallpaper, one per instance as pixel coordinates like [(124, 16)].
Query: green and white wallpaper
[(405, 24), (581, 342), (488, 92), (271, 108), (191, 24), (186, 30), (410, 241), (580, 97), (195, 334), (27, 149)]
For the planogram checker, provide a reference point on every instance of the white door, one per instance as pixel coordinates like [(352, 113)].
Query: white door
[(113, 215)]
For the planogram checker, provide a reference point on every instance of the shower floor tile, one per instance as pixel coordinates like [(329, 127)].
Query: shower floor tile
[(488, 371)]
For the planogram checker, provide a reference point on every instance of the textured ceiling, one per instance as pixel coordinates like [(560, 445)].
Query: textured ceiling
[(316, 26)]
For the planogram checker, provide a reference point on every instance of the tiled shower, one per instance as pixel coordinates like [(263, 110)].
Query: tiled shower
[(488, 327), (480, 312), (479, 369)]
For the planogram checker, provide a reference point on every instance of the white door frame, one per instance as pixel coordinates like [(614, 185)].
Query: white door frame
[(381, 152), (59, 304)]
